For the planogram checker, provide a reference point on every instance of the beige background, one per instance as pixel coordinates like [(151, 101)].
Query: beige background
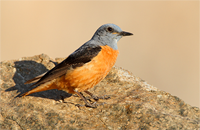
[(164, 49)]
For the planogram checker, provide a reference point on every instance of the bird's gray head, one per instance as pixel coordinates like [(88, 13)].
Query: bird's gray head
[(109, 34)]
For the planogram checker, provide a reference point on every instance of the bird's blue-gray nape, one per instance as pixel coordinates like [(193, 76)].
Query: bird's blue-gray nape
[(105, 37)]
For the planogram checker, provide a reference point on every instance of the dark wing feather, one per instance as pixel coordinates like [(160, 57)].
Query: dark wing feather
[(78, 58), (35, 79)]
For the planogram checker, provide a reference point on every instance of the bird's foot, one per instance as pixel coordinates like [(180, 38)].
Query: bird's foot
[(100, 97), (93, 105), (96, 98)]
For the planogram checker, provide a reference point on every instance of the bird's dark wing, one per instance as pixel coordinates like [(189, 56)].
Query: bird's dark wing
[(78, 58)]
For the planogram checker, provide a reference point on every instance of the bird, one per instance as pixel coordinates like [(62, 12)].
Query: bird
[(85, 67)]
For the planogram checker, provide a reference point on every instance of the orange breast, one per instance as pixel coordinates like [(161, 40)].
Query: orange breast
[(90, 74)]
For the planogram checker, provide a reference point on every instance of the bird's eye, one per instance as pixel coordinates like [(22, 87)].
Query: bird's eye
[(110, 29)]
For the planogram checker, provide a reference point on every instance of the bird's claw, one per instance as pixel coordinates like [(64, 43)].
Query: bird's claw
[(93, 105), (96, 98)]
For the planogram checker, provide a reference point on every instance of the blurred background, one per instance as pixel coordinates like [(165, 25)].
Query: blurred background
[(164, 50)]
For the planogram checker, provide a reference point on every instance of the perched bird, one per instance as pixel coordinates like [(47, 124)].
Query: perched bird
[(85, 67)]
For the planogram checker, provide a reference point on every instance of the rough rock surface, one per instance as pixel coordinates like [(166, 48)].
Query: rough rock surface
[(134, 104)]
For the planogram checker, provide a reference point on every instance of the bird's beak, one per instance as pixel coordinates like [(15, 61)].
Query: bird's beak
[(123, 33)]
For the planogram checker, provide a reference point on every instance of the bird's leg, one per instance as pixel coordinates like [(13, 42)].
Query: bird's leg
[(87, 104), (92, 95), (96, 97)]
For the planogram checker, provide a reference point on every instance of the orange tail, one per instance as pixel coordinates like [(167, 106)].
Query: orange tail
[(42, 87)]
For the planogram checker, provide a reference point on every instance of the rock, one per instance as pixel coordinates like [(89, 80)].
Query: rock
[(134, 104)]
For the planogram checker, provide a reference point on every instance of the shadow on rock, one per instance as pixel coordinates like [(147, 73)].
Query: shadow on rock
[(26, 70)]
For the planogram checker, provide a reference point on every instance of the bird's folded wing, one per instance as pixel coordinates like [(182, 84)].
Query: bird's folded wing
[(81, 56), (35, 79)]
